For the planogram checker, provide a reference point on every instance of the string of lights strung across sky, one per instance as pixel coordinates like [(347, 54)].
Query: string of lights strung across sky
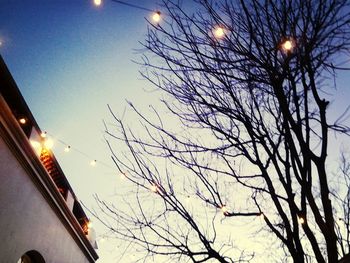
[(219, 31), (48, 142), (156, 14)]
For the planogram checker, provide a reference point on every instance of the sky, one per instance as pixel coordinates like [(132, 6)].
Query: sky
[(70, 59)]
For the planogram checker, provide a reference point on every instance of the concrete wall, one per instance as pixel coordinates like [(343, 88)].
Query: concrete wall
[(27, 222)]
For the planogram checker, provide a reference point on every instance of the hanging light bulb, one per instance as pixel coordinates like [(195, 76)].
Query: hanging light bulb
[(301, 220), (156, 16), (67, 149), (287, 45), (262, 216), (224, 209), (22, 121), (43, 134), (93, 162), (97, 2), (219, 32)]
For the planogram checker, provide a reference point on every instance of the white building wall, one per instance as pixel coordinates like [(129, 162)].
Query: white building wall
[(27, 222)]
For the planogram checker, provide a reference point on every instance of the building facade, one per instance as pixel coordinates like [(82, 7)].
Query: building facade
[(41, 219)]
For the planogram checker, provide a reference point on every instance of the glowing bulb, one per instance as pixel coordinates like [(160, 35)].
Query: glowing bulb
[(48, 144), (43, 134), (301, 220), (89, 224), (67, 149), (22, 120), (224, 209), (219, 32), (154, 188), (287, 45), (93, 163), (156, 16), (262, 216), (97, 2)]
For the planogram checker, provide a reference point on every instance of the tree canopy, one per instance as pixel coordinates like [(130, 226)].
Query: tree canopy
[(245, 137)]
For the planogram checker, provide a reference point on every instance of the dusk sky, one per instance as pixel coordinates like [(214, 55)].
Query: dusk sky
[(70, 59)]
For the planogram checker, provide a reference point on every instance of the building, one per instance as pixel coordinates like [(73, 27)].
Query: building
[(41, 219)]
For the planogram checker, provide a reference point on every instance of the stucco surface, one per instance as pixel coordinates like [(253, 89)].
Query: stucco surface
[(27, 221)]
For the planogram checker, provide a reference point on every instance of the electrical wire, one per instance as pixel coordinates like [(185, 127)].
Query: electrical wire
[(134, 6)]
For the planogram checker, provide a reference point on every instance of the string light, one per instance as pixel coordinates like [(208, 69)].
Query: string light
[(156, 16), (219, 32), (132, 5), (224, 209), (301, 220), (48, 143), (97, 2), (43, 134), (89, 225), (22, 121), (67, 149), (287, 45), (262, 216)]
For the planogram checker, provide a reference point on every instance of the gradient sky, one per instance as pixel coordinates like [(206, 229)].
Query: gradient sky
[(70, 59)]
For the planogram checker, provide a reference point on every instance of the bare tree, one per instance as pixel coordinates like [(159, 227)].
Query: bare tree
[(249, 84)]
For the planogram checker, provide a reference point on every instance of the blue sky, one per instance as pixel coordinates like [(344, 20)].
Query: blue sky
[(70, 59)]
